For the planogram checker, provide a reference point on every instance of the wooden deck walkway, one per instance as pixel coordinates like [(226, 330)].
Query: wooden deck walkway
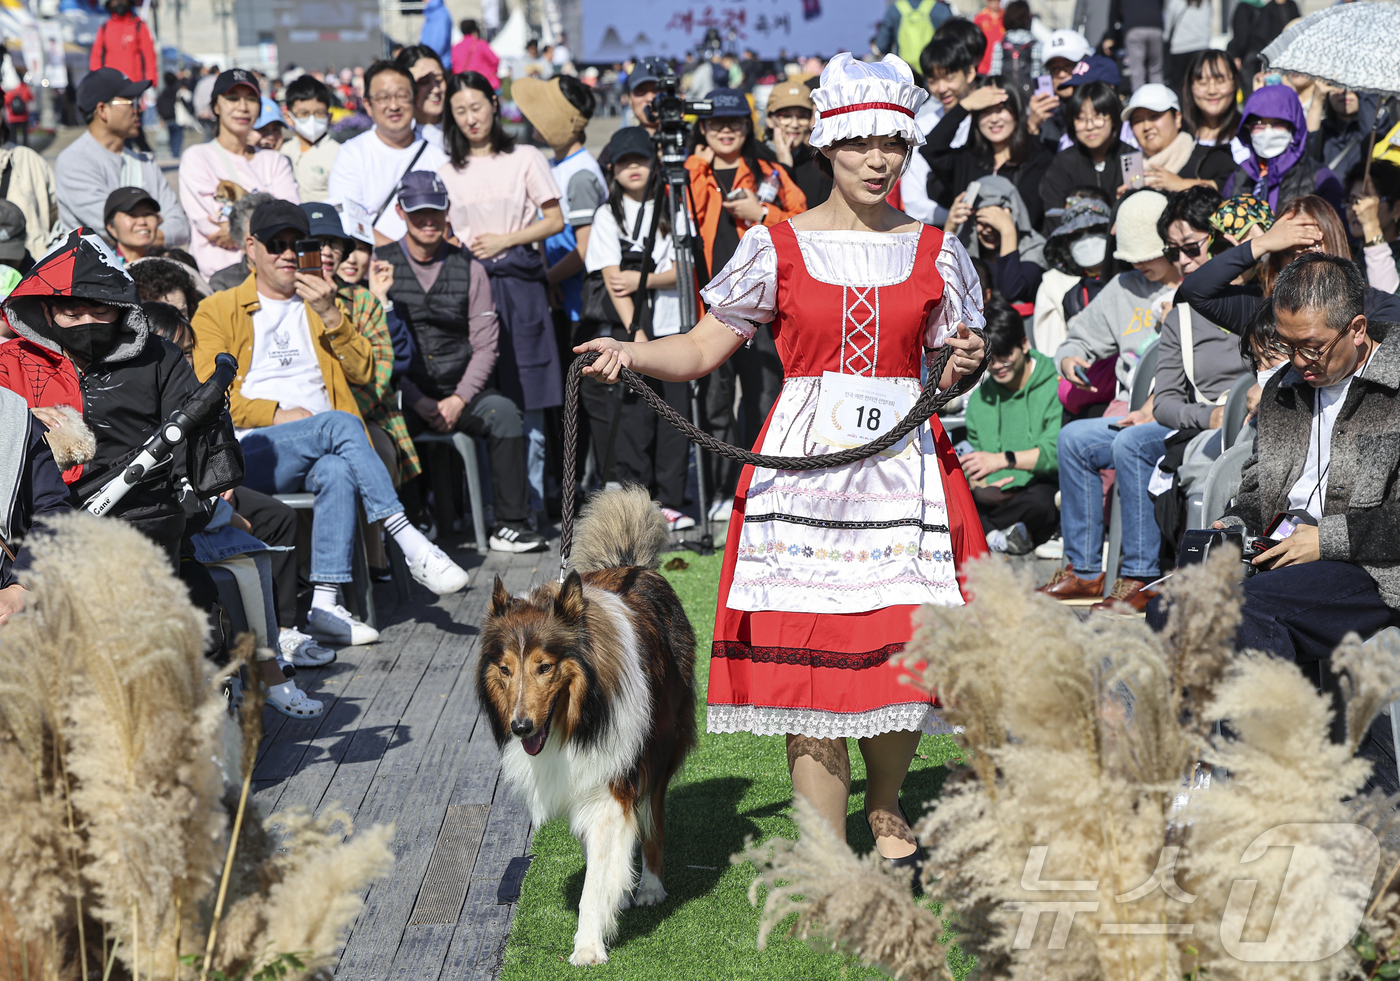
[(402, 740)]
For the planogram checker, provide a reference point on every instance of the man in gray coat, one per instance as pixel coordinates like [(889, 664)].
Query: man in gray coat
[(98, 162), (1327, 455)]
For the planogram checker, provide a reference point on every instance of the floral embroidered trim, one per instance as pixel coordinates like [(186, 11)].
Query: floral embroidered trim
[(734, 650), (845, 587), (852, 496), (799, 519), (793, 549), (764, 720)]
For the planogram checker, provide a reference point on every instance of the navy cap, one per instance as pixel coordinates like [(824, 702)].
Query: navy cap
[(323, 220), (235, 76), (728, 104), (1096, 68), (12, 231), (421, 190), (104, 85), (646, 70), (272, 217), (630, 140)]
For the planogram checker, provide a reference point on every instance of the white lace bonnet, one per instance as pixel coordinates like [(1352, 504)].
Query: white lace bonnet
[(858, 98)]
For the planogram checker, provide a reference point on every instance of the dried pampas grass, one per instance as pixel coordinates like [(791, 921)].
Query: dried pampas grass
[(115, 824), (1085, 744)]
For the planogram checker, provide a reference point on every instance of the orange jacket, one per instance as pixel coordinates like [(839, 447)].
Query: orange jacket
[(708, 199)]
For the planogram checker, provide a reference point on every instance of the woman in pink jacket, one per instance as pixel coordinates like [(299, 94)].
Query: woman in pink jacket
[(213, 175)]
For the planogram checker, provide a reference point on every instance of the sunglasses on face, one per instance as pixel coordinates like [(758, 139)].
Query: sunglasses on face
[(1191, 250)]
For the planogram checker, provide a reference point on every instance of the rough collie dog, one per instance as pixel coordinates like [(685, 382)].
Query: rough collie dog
[(590, 689)]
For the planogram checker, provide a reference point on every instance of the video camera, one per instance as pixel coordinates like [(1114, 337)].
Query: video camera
[(1198, 544), (668, 110)]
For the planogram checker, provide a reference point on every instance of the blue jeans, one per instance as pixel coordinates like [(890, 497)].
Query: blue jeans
[(330, 456), (1086, 447)]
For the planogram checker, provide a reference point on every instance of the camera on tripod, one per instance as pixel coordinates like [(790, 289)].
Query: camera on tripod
[(668, 110)]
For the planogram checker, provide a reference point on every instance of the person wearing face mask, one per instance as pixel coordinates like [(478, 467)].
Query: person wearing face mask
[(1077, 254), (1278, 169), (124, 42), (307, 104)]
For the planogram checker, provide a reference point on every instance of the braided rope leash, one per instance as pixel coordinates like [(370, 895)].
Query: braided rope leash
[(931, 399)]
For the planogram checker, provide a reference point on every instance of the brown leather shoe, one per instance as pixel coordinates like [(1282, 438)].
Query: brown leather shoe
[(1127, 598), (1069, 589)]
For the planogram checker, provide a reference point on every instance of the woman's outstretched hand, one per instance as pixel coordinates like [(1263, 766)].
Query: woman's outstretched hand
[(968, 350), (612, 358)]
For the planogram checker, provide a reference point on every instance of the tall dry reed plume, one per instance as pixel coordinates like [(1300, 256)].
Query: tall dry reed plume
[(1080, 738), (115, 825)]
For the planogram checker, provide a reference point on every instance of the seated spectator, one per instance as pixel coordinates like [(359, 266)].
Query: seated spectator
[(1239, 220), (238, 215), (1306, 224), (997, 143), (1211, 113), (790, 118), (1077, 253), (35, 491), (32, 191), (1046, 115), (229, 539), (297, 420), (1091, 160), (1347, 121), (98, 162), (1172, 159), (132, 220), (214, 175), (1372, 209), (311, 150), (950, 69), (1122, 320), (443, 296), (1319, 424), (1274, 130), (1002, 233), (267, 132), (368, 168), (166, 281), (1013, 424)]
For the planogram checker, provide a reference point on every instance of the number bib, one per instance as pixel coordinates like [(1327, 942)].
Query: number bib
[(852, 410)]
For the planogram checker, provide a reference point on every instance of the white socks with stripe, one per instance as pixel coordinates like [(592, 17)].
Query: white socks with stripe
[(409, 539), (324, 596)]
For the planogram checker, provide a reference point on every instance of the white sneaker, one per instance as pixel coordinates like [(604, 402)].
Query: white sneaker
[(337, 625), (437, 572), (292, 702), (302, 650), (1053, 549), (678, 520), (721, 511)]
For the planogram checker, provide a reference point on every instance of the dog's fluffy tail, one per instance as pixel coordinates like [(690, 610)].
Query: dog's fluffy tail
[(619, 527)]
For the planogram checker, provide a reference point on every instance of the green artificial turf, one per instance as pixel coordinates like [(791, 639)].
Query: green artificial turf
[(735, 786)]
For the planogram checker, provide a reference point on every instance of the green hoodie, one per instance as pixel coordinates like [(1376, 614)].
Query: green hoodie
[(999, 419)]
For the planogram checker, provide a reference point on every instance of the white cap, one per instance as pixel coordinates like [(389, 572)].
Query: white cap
[(1154, 96), (1067, 44), (885, 92)]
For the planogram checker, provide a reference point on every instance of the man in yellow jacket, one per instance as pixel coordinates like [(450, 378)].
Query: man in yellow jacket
[(298, 353)]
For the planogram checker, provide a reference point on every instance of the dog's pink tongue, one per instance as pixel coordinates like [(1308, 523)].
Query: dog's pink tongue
[(533, 744)]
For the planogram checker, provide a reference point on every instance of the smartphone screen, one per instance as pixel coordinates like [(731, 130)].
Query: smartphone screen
[(1043, 85), (1281, 527), (1133, 172)]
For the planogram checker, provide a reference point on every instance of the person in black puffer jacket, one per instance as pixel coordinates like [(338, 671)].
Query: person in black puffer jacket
[(1254, 26)]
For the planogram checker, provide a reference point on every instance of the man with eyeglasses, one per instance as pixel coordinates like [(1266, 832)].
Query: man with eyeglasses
[(296, 418), (98, 162), (368, 168), (1327, 456)]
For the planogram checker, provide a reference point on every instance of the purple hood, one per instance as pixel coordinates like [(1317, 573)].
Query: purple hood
[(1274, 102)]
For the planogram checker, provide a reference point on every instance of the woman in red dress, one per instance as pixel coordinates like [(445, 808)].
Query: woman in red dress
[(823, 568)]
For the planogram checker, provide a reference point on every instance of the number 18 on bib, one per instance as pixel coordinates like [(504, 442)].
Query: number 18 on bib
[(852, 410)]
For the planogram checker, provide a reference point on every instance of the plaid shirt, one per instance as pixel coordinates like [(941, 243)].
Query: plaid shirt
[(376, 399)]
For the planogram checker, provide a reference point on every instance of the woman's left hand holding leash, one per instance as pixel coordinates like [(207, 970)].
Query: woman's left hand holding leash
[(613, 357), (968, 350)]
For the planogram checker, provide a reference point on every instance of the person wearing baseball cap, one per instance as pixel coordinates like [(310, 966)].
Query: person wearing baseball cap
[(442, 296), (99, 161), (214, 175), (296, 417), (1174, 160), (15, 259), (641, 90), (132, 220), (1044, 117), (789, 113)]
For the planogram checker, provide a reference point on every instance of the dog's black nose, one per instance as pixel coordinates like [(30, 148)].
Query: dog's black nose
[(522, 727)]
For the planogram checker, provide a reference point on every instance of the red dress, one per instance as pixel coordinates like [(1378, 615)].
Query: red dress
[(868, 542)]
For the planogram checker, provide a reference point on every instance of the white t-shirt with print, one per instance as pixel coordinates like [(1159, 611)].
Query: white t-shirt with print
[(284, 368), (607, 243)]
